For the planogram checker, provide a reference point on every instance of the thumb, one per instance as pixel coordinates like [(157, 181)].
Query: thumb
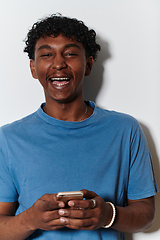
[(89, 194)]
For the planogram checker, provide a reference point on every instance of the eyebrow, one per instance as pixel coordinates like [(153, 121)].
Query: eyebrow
[(45, 46), (72, 45)]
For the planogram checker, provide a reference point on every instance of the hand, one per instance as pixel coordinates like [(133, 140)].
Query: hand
[(82, 215), (44, 213)]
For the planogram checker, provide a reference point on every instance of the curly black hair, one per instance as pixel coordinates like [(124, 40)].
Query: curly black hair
[(69, 27)]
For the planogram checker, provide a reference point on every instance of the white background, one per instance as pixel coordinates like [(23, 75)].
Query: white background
[(126, 76)]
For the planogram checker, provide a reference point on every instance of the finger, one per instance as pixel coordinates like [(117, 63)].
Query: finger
[(94, 203), (78, 214), (48, 197), (49, 202), (52, 198), (89, 203), (57, 227), (47, 206), (50, 220), (49, 216), (88, 194), (51, 225), (82, 224)]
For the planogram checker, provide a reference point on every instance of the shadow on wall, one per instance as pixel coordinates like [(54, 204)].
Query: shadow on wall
[(93, 82), (156, 167), (92, 86)]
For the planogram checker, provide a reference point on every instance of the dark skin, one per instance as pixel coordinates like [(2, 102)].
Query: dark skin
[(56, 59), (49, 214), (60, 65)]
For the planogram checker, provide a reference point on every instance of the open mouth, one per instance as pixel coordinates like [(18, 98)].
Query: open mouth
[(60, 81)]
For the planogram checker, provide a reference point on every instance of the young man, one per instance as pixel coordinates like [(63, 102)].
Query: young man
[(69, 144)]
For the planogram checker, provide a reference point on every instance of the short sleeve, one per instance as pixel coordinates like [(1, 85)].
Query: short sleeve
[(8, 191), (142, 182)]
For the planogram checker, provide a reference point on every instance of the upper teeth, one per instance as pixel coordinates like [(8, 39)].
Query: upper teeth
[(59, 79)]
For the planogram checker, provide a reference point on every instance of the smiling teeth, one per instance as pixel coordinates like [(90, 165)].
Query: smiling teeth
[(59, 79), (60, 84)]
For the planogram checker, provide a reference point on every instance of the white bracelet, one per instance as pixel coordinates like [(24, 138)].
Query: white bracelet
[(113, 216)]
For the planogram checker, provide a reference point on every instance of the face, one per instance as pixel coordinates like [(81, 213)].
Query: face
[(60, 65)]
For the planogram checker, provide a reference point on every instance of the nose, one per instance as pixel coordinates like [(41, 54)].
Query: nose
[(59, 62)]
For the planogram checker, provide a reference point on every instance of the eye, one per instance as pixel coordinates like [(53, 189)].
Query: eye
[(46, 55), (71, 54)]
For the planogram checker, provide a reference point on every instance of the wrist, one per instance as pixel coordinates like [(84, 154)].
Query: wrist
[(114, 214), (29, 220)]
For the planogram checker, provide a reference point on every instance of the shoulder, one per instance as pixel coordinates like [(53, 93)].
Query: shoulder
[(18, 125), (115, 118)]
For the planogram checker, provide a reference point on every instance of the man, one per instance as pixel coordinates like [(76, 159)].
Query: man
[(69, 144)]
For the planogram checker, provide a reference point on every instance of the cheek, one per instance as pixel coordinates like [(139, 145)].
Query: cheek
[(41, 70), (79, 69), (81, 72)]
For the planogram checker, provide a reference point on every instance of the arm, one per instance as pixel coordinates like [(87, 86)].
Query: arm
[(12, 227), (137, 216), (42, 215)]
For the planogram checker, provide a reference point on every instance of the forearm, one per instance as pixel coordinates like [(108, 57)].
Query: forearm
[(15, 227), (136, 217), (43, 214)]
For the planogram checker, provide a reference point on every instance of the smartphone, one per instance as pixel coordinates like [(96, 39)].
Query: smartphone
[(66, 196)]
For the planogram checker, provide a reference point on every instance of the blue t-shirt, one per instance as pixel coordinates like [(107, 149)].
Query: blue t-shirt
[(106, 153)]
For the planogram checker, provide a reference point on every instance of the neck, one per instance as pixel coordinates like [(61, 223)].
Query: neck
[(68, 111)]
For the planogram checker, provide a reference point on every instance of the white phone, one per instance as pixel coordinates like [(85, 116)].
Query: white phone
[(66, 196)]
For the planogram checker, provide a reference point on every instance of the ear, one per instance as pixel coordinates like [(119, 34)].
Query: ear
[(89, 65), (32, 68)]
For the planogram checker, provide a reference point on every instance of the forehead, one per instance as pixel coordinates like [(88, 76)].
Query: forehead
[(59, 42)]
